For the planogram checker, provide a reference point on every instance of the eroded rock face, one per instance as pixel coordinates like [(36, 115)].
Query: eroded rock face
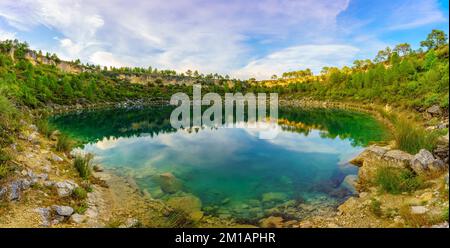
[(370, 153), (397, 158), (424, 162), (350, 183), (374, 157)]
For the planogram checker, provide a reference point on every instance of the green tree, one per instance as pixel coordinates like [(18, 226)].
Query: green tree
[(434, 40), (402, 49)]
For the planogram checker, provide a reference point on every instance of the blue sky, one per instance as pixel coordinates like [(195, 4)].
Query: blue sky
[(242, 38)]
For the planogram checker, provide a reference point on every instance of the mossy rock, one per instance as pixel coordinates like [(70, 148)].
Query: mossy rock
[(169, 183), (187, 203)]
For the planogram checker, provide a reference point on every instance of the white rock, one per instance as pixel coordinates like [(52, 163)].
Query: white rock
[(63, 210), (56, 158), (77, 218), (65, 188), (418, 209)]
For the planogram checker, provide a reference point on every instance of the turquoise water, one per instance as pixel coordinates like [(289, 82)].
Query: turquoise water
[(233, 172)]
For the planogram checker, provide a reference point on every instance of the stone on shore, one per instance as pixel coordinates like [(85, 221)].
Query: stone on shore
[(44, 214), (65, 211), (397, 158), (424, 162), (65, 188), (271, 222)]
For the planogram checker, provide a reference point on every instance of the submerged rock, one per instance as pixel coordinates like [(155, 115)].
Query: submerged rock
[(169, 183), (274, 197), (350, 182), (187, 203)]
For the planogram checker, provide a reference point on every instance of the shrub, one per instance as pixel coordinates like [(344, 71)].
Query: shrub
[(411, 137), (83, 165), (79, 193), (414, 220), (396, 181), (81, 208), (64, 143), (8, 113), (445, 214), (4, 168), (44, 127), (375, 207)]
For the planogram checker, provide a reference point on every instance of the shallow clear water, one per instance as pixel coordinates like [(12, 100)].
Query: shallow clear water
[(233, 172)]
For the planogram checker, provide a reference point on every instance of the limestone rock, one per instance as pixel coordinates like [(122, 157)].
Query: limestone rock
[(14, 190), (187, 203), (3, 191), (33, 138), (77, 218), (349, 183), (419, 210), (33, 128), (55, 158), (424, 162), (130, 223), (271, 222), (397, 158), (65, 188), (370, 153), (196, 216), (434, 110), (63, 210), (274, 197), (169, 183), (44, 214)]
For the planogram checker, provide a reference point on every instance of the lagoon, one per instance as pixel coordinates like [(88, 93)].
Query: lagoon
[(235, 175)]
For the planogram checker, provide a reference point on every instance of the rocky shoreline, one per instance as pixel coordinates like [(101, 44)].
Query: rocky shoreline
[(41, 190)]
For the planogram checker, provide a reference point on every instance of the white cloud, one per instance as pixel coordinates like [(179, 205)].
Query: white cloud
[(106, 59), (299, 57), (224, 36), (211, 36), (5, 35), (413, 13)]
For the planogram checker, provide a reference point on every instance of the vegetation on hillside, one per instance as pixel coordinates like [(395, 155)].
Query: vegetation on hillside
[(399, 76)]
